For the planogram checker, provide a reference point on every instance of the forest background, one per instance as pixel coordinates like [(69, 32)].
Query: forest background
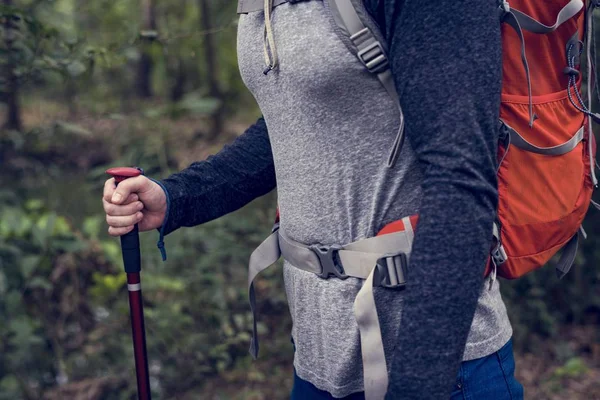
[(86, 85)]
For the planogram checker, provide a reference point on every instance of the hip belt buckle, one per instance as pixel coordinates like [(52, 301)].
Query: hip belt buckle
[(391, 271), (328, 258)]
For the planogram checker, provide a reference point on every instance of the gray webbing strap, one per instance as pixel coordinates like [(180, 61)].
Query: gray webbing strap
[(582, 232), (262, 258), (372, 54), (358, 259), (496, 231), (375, 372), (566, 13), (519, 141), (299, 255), (248, 6), (408, 230), (595, 204), (511, 19), (590, 89), (567, 257)]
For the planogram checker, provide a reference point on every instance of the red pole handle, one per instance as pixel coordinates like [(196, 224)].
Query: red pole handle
[(130, 247)]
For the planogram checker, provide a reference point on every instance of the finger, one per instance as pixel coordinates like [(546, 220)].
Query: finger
[(120, 211), (112, 231), (128, 186), (124, 221), (109, 189), (133, 197)]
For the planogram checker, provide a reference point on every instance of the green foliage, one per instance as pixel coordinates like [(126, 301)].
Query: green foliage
[(573, 368), (191, 104), (34, 44)]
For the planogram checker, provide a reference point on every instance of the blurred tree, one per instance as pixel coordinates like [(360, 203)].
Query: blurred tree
[(10, 30), (147, 38), (210, 57)]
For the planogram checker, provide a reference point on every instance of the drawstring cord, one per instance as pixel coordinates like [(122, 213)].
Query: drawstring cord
[(573, 74), (269, 40)]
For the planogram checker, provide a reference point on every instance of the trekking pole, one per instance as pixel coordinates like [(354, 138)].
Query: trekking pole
[(130, 246)]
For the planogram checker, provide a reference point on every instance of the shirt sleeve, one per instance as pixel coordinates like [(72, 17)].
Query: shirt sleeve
[(223, 183), (445, 58)]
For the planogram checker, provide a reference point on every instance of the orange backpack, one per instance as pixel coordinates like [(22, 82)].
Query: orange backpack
[(547, 148)]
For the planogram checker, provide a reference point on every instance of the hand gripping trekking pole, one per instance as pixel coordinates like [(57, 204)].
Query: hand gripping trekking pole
[(130, 246)]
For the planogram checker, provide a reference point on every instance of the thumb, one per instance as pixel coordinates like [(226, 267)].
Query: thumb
[(129, 186)]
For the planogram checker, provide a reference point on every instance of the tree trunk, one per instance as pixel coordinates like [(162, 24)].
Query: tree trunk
[(146, 64), (178, 89), (70, 96), (211, 67), (12, 84)]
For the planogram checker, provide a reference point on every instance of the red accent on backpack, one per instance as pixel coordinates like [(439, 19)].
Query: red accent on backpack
[(398, 226)]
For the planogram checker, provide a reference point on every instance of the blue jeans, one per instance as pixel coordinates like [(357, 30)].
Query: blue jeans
[(487, 378)]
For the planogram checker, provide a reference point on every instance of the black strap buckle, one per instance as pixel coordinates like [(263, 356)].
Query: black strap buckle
[(371, 55), (503, 9), (328, 258), (275, 227), (374, 58), (391, 271), (499, 255)]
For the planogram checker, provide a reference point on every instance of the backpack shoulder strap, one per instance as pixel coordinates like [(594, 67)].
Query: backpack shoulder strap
[(571, 9), (371, 53)]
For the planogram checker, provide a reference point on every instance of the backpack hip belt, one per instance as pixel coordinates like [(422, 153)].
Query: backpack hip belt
[(381, 261)]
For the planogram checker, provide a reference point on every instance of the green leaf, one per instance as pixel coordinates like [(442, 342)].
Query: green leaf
[(72, 129), (76, 68), (196, 104), (107, 285), (13, 301), (70, 245), (37, 282), (166, 283), (92, 226), (29, 264), (9, 250), (112, 251), (573, 368), (34, 205), (62, 227), (50, 222), (155, 112), (24, 332), (9, 388), (39, 237)]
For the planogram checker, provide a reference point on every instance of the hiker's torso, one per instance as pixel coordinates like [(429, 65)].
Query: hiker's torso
[(331, 126)]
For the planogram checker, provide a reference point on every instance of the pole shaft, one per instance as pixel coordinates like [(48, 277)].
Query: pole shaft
[(139, 335)]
